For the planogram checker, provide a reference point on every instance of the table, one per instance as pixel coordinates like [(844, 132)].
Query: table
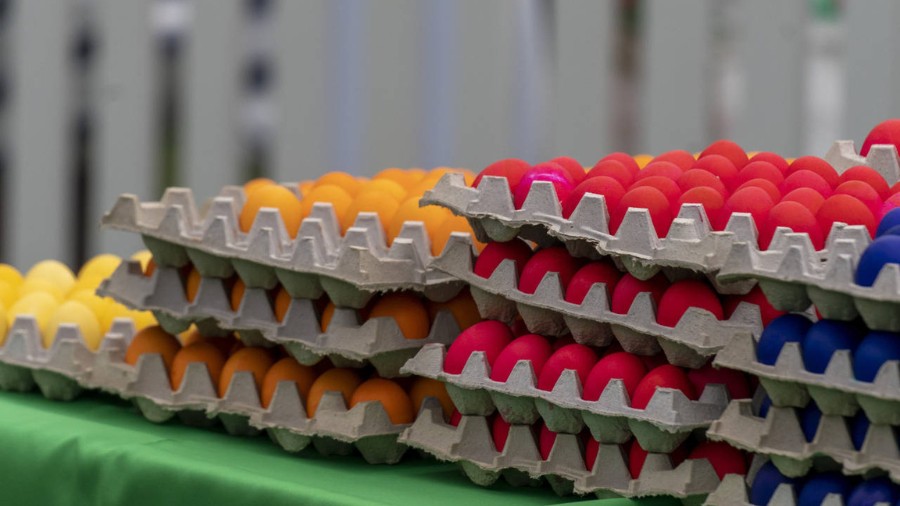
[(99, 450)]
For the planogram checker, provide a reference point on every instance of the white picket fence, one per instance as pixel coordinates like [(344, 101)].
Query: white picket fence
[(303, 86)]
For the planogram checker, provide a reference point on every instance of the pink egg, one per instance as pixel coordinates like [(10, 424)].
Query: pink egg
[(721, 167), (816, 165), (488, 336), (886, 132), (862, 191), (794, 216), (611, 190), (776, 160), (649, 198), (664, 376), (891, 202), (589, 275), (811, 199), (754, 296), (763, 184), (551, 172), (667, 170), (685, 294), (735, 381), (806, 179), (572, 166), (869, 176), (620, 365), (629, 287), (577, 357), (712, 201), (613, 170), (555, 259), (728, 149), (623, 158), (494, 253), (667, 186), (725, 459), (760, 170), (683, 159), (697, 178), (531, 347), (844, 209), (751, 200), (499, 432), (511, 168), (546, 440)]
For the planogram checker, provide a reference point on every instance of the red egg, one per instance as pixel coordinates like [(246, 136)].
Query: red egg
[(551, 172), (725, 459), (546, 440), (629, 287), (559, 342), (794, 216), (555, 259), (735, 381), (862, 191), (683, 159), (751, 200), (891, 202), (531, 347), (488, 336), (619, 365), (886, 132), (649, 198), (896, 188), (511, 168), (869, 176), (728, 149), (653, 361), (613, 170), (811, 199), (697, 178), (589, 275), (499, 432), (806, 179), (763, 184), (667, 186), (611, 190), (777, 160), (591, 449), (667, 170), (816, 165), (577, 357), (664, 376), (623, 158), (455, 418), (712, 201), (760, 170), (684, 294), (572, 166), (494, 253), (845, 209), (754, 296), (721, 167), (636, 458)]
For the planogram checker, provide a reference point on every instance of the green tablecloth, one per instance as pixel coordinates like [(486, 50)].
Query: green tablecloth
[(98, 450)]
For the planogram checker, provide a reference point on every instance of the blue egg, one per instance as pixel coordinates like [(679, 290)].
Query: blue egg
[(764, 406), (826, 337), (884, 250), (789, 328), (895, 230), (818, 486), (810, 416), (874, 350), (767, 479), (859, 426), (888, 221), (873, 491)]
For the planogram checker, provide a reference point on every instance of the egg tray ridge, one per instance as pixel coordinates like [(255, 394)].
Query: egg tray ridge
[(472, 447), (697, 336), (349, 268), (347, 343), (835, 392), (690, 243), (780, 437), (668, 419)]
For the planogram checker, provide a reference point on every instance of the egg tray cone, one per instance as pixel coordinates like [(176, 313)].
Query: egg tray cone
[(795, 276), (780, 437), (347, 343), (350, 268), (835, 392), (471, 445), (669, 418), (734, 492), (690, 343)]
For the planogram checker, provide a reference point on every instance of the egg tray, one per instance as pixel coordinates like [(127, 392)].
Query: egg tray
[(795, 276), (347, 343), (696, 337), (734, 492), (667, 421), (835, 392), (333, 430), (780, 437), (471, 446), (350, 269)]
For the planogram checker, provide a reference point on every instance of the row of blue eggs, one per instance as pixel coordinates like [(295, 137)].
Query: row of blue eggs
[(885, 249), (812, 490), (811, 415)]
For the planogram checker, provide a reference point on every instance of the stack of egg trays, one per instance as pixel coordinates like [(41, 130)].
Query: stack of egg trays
[(690, 244), (349, 268), (667, 421), (347, 343), (696, 337), (836, 392), (471, 446)]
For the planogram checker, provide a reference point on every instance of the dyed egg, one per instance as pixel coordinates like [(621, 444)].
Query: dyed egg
[(721, 167), (810, 417), (862, 192), (282, 304), (8, 294), (625, 159), (649, 198), (725, 459), (496, 252), (407, 310), (806, 179), (554, 259), (763, 184), (884, 250), (809, 198), (455, 418), (327, 315), (572, 166), (546, 440), (664, 376), (395, 401), (286, 369), (101, 266), (489, 336), (613, 169), (619, 365), (256, 183), (3, 325), (404, 177), (273, 196), (752, 200), (511, 168), (197, 352), (340, 380), (636, 458), (819, 485), (499, 432), (867, 175), (772, 158), (192, 285), (790, 328), (39, 305), (235, 297), (384, 187), (409, 211), (589, 275), (11, 275), (339, 199), (734, 381), (531, 347), (74, 312), (859, 428), (685, 294), (257, 361), (576, 357), (346, 182), (383, 204), (462, 307), (792, 215), (562, 182), (729, 149), (826, 337), (443, 231), (683, 159), (427, 387), (873, 351), (886, 132), (667, 170), (54, 272), (38, 285), (871, 492), (890, 220), (766, 481), (698, 178), (666, 186), (591, 450), (611, 190), (890, 203), (816, 165), (629, 287), (713, 204), (756, 297)]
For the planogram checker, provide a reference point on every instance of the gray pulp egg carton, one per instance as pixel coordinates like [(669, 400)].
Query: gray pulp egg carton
[(667, 421), (794, 275), (734, 492), (334, 429), (835, 392), (780, 437), (471, 446), (882, 157), (696, 337), (347, 343), (57, 371), (350, 269)]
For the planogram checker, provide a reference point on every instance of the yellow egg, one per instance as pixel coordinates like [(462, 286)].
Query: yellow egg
[(102, 307), (8, 294), (3, 326), (80, 315), (101, 266), (141, 319), (11, 275), (39, 304), (90, 282), (54, 272), (40, 285), (144, 257)]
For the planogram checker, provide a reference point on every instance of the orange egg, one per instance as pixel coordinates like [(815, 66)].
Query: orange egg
[(404, 177), (256, 183), (255, 360), (277, 197), (305, 187), (385, 205), (397, 404), (151, 267), (441, 234), (282, 303), (407, 310), (384, 187), (643, 159), (431, 216), (192, 285), (287, 369), (462, 307), (427, 387), (327, 314), (340, 380), (153, 340), (197, 352), (237, 294), (339, 199), (342, 180)]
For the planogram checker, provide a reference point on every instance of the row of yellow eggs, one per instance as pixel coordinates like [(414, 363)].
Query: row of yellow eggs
[(52, 294)]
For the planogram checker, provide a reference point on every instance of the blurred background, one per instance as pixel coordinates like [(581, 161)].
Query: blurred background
[(101, 97)]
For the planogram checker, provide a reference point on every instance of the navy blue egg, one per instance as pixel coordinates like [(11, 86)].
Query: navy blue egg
[(859, 426), (826, 337), (884, 250), (890, 220), (767, 479), (895, 230), (870, 492), (810, 416), (789, 328), (874, 350), (818, 486), (764, 406)]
